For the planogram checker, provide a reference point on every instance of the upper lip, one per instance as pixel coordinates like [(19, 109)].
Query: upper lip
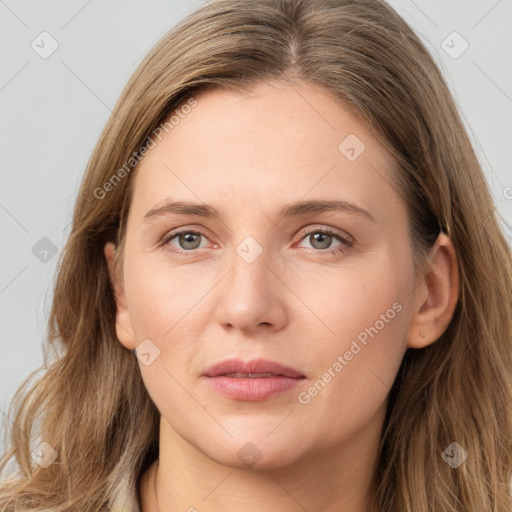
[(255, 366)]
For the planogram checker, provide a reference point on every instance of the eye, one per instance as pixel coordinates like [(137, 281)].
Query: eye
[(322, 239), (187, 240)]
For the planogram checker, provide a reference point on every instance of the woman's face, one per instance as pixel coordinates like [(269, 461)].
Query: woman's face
[(261, 279)]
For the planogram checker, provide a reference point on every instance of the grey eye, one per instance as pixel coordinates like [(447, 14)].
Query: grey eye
[(321, 240), (189, 240)]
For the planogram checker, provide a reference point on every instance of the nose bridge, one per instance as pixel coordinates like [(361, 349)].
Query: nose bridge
[(249, 292), (249, 279)]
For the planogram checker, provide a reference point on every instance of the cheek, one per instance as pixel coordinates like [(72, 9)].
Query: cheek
[(361, 299), (163, 298), (358, 350), (353, 377), (358, 368), (168, 309)]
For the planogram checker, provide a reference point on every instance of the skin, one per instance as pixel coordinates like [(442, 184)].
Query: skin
[(248, 155)]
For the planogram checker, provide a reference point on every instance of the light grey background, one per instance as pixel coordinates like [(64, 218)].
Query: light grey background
[(53, 110)]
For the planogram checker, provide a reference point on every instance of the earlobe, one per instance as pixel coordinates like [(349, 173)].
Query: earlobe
[(437, 295), (124, 329)]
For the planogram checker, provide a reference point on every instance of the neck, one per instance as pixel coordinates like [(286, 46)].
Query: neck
[(339, 478)]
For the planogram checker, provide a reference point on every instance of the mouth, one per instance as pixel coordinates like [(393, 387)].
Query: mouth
[(254, 380), (250, 375), (256, 368)]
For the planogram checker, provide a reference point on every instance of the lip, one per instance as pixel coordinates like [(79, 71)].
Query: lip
[(239, 379)]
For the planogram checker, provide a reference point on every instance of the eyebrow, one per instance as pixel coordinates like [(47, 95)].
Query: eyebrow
[(289, 210)]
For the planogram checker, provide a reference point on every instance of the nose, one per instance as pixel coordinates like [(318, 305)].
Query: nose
[(252, 294)]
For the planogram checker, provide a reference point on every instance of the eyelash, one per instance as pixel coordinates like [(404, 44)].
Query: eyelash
[(347, 242)]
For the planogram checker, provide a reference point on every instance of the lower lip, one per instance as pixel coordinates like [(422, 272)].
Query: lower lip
[(252, 389)]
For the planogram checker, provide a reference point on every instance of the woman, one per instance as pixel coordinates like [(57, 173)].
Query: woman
[(286, 224)]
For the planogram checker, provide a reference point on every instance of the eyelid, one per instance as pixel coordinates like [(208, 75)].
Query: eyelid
[(164, 241), (327, 229), (342, 236)]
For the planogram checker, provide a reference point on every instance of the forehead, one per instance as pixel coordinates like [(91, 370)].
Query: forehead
[(278, 140)]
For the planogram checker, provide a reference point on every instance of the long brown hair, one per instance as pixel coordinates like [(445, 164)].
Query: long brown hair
[(89, 403)]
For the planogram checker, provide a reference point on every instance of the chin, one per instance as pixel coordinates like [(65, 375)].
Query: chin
[(255, 452)]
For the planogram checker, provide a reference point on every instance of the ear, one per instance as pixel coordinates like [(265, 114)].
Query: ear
[(436, 295), (124, 329)]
